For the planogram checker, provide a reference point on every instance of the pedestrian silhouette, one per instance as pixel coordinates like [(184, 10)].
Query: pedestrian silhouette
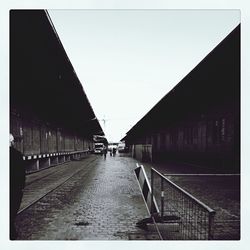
[(17, 182), (105, 152), (114, 151)]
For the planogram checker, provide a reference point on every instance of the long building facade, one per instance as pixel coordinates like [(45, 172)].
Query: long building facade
[(50, 115), (198, 121)]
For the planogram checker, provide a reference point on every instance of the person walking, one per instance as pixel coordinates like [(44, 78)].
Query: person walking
[(114, 151), (105, 152), (17, 183)]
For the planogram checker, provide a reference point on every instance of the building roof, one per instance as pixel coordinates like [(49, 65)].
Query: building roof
[(214, 82), (43, 81)]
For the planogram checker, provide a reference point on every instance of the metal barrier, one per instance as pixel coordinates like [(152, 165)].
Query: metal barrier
[(146, 189), (187, 218), (148, 198)]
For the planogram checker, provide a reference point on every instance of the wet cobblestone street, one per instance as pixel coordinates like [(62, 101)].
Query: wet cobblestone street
[(101, 202), (98, 199)]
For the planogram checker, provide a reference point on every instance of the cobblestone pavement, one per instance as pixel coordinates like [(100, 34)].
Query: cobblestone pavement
[(51, 177), (100, 202)]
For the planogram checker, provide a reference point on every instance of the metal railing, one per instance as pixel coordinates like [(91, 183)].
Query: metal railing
[(182, 216)]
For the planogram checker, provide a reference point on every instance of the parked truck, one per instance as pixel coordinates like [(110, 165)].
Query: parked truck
[(98, 148)]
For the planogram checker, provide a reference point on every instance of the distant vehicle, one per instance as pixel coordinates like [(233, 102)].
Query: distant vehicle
[(98, 149), (121, 147)]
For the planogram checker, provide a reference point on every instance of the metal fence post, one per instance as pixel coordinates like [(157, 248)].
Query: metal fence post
[(211, 225), (152, 192)]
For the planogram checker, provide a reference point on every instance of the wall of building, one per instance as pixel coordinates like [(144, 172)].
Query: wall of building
[(43, 145), (209, 141), (36, 137)]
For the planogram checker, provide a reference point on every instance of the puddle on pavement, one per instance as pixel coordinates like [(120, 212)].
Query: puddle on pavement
[(82, 223)]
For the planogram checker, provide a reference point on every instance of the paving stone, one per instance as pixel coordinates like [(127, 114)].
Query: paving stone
[(103, 198)]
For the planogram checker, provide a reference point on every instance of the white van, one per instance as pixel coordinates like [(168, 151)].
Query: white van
[(121, 147)]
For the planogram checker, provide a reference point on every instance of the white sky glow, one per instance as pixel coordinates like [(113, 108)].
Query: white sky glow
[(127, 60)]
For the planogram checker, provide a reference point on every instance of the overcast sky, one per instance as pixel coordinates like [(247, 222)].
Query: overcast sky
[(127, 60)]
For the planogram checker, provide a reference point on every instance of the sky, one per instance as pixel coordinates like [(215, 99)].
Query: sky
[(127, 60)]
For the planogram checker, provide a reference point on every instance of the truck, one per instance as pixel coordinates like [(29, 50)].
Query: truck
[(98, 147)]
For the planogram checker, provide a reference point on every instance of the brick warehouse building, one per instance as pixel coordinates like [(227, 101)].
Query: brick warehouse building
[(198, 121), (50, 115)]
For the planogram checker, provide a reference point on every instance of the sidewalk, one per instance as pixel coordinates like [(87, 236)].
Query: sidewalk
[(102, 203)]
